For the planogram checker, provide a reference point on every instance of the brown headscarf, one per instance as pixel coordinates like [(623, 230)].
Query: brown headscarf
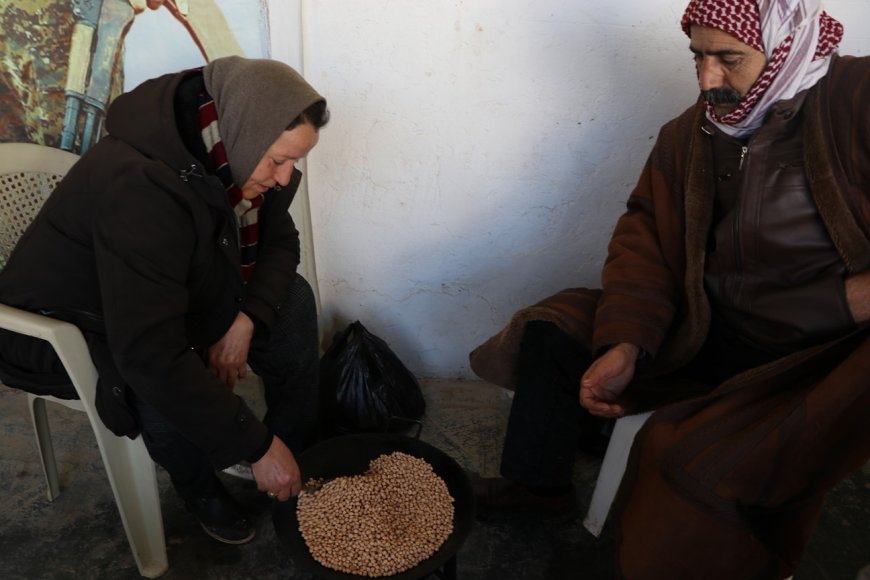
[(256, 99)]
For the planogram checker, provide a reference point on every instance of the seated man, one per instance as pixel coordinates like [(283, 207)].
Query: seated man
[(734, 300), (169, 243)]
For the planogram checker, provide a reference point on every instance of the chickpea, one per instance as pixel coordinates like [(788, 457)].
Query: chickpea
[(382, 522)]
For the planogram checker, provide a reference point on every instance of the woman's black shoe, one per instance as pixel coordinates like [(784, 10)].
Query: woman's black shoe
[(221, 517)]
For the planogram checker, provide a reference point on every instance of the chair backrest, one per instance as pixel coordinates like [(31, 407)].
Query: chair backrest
[(28, 174)]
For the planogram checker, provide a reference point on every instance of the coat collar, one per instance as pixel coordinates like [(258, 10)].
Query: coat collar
[(821, 164)]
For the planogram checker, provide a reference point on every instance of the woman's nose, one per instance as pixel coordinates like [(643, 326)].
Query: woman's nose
[(282, 175)]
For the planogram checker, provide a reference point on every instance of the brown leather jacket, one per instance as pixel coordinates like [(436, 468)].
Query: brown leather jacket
[(772, 272)]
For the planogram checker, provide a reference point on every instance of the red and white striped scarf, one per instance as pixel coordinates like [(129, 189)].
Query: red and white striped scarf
[(246, 210), (796, 36)]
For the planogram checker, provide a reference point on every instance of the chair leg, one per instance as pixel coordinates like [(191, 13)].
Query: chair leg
[(41, 428), (133, 479), (612, 469)]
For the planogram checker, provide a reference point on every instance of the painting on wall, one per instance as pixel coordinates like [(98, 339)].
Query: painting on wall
[(64, 61)]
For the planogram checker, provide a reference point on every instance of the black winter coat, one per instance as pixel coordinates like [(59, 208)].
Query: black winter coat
[(141, 240)]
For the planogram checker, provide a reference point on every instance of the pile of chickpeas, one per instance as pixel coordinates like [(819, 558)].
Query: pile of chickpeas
[(382, 522)]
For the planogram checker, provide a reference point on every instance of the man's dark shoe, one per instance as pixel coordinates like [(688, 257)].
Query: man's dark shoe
[(500, 494), (221, 517)]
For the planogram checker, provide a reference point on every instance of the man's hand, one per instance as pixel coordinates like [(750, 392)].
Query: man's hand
[(606, 378), (228, 357), (858, 296), (277, 472)]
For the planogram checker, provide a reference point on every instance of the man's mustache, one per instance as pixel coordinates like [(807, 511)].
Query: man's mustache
[(721, 96)]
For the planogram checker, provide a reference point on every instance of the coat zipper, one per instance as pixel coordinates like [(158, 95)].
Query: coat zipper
[(738, 263), (743, 151)]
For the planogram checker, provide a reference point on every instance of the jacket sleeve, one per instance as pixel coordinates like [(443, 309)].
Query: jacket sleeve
[(642, 275), (278, 255), (144, 241)]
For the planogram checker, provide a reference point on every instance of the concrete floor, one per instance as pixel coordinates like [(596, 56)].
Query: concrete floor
[(79, 535)]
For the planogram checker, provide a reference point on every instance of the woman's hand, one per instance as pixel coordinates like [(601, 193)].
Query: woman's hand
[(606, 378), (228, 357), (277, 473)]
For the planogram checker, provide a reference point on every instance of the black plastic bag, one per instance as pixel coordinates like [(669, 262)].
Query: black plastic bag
[(365, 387)]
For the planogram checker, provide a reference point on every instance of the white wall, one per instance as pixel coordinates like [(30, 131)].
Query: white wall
[(479, 151), (478, 156)]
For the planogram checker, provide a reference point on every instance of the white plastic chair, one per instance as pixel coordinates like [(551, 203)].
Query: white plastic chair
[(28, 173), (612, 469)]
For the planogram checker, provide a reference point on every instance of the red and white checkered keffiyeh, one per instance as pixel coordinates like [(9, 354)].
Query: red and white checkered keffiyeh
[(796, 36)]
